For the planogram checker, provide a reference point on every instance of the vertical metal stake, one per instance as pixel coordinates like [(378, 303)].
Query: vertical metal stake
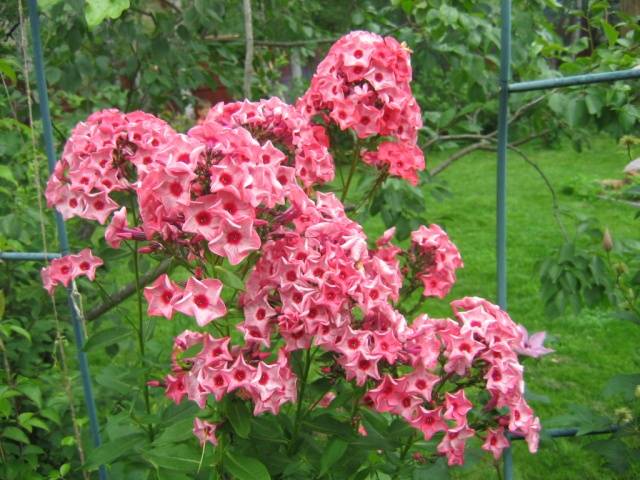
[(34, 20), (501, 187)]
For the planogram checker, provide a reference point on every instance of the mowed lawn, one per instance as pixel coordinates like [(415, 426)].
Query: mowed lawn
[(591, 346)]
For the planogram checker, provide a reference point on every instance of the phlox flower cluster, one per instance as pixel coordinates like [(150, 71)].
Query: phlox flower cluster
[(63, 270), (477, 348), (364, 85), (238, 188), (282, 123), (434, 260), (218, 370)]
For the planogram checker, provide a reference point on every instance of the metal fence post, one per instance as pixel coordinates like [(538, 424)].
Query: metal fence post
[(501, 179), (43, 97)]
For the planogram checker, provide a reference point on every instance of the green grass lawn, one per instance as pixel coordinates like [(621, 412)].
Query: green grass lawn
[(590, 347)]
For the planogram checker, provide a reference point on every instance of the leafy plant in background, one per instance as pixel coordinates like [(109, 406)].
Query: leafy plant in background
[(300, 320), (117, 61)]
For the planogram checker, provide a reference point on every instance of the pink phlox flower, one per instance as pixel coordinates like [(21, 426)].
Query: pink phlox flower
[(161, 296), (360, 367), (235, 240), (215, 352), (205, 431), (461, 352), (387, 393), (176, 388), (386, 345), (453, 443), (533, 345), (429, 422), (116, 226), (201, 217), (421, 382), (457, 406), (240, 374), (495, 442), (201, 300)]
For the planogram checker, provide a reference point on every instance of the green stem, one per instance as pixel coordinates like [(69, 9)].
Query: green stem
[(404, 452), (140, 329), (303, 386), (140, 332), (352, 170)]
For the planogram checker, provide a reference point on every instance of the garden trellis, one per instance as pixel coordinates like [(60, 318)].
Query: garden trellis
[(505, 89)]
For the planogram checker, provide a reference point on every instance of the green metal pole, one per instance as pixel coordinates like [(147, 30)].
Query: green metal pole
[(501, 180), (573, 80), (43, 99)]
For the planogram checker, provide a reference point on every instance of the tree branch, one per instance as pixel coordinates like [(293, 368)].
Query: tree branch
[(126, 291), (545, 179), (458, 155), (235, 38), (491, 135), (248, 56)]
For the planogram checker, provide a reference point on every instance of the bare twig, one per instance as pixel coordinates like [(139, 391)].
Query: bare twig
[(235, 38), (248, 56), (126, 291), (491, 135), (458, 155), (453, 138), (545, 179)]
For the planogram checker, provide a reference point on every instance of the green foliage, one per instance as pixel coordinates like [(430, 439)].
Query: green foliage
[(150, 55), (96, 11)]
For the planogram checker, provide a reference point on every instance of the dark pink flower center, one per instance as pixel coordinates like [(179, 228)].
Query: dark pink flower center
[(364, 364), (167, 295), (203, 218), (234, 237), (176, 189), (201, 301)]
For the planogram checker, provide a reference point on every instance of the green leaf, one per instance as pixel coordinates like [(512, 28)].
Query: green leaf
[(3, 303), (326, 423), (240, 418), (31, 391), (576, 112), (97, 10), (176, 432), (334, 452), (15, 434), (7, 174), (624, 385), (437, 471), (245, 468), (229, 278), (111, 451), (15, 328), (610, 32), (614, 451), (64, 469), (106, 337), (628, 316), (594, 104), (173, 457), (7, 70)]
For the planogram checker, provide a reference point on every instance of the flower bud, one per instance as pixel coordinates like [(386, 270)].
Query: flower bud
[(620, 268), (607, 241), (623, 414)]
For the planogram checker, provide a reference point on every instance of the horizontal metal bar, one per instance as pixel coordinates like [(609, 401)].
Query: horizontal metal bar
[(575, 80), (569, 432), (28, 256)]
